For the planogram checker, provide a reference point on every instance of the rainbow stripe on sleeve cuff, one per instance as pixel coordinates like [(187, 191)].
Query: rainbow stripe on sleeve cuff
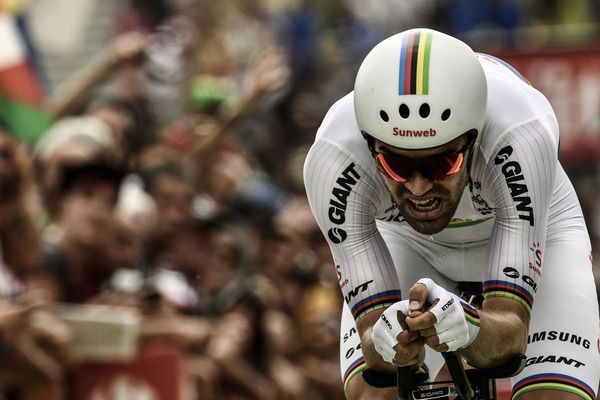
[(553, 382), (373, 302), (509, 290), (357, 367), (471, 313)]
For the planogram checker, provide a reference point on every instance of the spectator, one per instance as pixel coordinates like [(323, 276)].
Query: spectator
[(170, 186), (243, 341), (69, 141), (76, 263), (19, 236), (183, 268), (33, 344), (125, 119)]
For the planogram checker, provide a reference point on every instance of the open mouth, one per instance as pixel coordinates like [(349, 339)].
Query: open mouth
[(430, 208), (425, 205)]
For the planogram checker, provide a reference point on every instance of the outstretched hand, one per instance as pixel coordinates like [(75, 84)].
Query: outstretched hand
[(269, 73)]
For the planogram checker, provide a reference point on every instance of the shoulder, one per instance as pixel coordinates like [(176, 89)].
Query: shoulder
[(339, 164), (338, 141), (339, 123)]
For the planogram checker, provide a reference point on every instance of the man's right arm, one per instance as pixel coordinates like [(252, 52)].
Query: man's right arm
[(343, 200)]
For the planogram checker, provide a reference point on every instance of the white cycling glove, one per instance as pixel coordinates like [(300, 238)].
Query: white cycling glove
[(386, 330), (457, 322)]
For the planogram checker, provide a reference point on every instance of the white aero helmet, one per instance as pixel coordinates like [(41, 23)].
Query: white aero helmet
[(420, 89)]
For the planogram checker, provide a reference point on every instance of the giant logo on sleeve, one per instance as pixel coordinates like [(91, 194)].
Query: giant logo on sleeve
[(338, 202), (516, 183), (337, 235)]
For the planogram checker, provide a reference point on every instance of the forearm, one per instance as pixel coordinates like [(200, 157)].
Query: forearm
[(503, 333), (19, 239), (71, 92), (124, 48)]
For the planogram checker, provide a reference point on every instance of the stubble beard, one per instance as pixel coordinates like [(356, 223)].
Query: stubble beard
[(450, 201)]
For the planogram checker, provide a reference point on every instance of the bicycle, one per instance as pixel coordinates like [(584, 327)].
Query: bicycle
[(471, 384)]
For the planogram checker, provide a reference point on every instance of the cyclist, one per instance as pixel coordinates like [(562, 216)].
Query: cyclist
[(439, 174)]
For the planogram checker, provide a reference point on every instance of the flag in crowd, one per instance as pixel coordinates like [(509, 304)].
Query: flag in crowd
[(21, 89)]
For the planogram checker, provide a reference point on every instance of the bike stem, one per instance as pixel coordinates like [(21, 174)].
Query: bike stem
[(459, 377), (405, 383)]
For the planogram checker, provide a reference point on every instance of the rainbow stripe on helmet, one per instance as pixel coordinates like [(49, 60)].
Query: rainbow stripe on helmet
[(414, 63)]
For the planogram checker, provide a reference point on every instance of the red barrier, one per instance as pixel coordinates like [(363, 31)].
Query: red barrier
[(156, 374), (570, 78)]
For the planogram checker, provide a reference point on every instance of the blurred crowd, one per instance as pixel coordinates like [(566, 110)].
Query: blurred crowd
[(170, 182)]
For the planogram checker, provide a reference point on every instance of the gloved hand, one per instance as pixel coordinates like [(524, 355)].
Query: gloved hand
[(457, 323), (388, 332)]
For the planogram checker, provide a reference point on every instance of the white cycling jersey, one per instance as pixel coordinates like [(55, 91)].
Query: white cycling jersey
[(518, 207)]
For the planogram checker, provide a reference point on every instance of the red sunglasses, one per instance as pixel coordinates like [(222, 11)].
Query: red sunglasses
[(435, 168)]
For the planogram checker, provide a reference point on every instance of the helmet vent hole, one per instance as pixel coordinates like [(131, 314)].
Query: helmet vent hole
[(446, 114), (404, 111), (384, 116), (424, 110)]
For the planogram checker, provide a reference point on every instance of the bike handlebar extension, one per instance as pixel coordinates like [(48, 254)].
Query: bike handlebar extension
[(467, 384)]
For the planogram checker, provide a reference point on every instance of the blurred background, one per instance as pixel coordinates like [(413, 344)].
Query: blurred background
[(156, 242)]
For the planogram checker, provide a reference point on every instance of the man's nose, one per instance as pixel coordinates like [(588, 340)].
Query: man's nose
[(418, 185)]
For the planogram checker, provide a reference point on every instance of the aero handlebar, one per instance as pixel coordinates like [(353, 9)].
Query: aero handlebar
[(471, 384)]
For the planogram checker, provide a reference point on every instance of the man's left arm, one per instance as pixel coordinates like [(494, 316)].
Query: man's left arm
[(503, 333), (519, 179), (521, 173)]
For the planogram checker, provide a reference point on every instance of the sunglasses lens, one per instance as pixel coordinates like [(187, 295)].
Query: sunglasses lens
[(435, 168), (398, 168), (438, 168)]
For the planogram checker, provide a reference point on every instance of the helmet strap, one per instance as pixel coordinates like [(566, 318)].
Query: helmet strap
[(474, 133), (370, 142)]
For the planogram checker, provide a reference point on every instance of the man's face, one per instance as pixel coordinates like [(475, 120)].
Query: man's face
[(173, 197), (427, 205), (86, 212)]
